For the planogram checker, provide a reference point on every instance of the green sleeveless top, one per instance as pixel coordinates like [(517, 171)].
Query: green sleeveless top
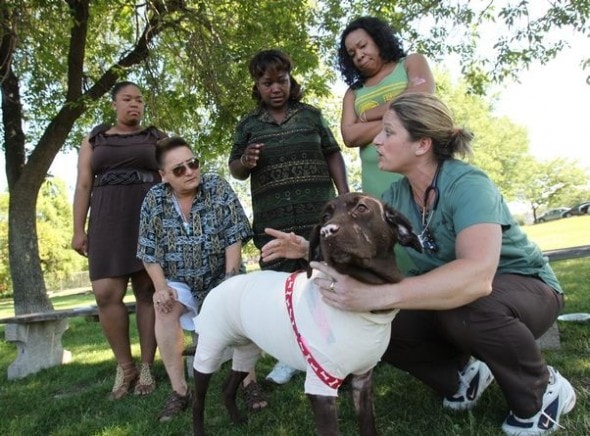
[(375, 181)]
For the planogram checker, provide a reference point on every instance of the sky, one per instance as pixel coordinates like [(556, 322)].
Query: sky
[(552, 101)]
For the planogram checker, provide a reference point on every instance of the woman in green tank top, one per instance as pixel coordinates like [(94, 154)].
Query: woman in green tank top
[(375, 66)]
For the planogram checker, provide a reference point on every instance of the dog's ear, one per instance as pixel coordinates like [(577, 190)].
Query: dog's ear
[(403, 228), (315, 252)]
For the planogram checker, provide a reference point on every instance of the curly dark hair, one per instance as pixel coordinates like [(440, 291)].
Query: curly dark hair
[(274, 60), (390, 47)]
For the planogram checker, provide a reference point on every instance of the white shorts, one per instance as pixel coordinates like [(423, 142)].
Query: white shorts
[(185, 297)]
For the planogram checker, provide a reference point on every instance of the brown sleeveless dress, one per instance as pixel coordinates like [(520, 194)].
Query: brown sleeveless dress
[(125, 169)]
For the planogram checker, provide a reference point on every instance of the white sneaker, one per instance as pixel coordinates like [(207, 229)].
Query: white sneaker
[(281, 373), (473, 380), (559, 398)]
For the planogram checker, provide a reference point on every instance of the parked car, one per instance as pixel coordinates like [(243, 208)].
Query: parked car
[(552, 214), (578, 209)]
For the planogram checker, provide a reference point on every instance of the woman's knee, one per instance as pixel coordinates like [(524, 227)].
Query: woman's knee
[(108, 291), (171, 317)]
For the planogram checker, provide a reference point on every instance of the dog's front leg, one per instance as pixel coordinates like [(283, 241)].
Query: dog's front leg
[(201, 386), (325, 414), (362, 396), (230, 390)]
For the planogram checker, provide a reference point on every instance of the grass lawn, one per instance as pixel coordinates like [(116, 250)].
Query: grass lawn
[(65, 300), (71, 400), (563, 233)]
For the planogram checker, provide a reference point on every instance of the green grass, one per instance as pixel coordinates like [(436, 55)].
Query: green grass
[(563, 233), (71, 400), (62, 300)]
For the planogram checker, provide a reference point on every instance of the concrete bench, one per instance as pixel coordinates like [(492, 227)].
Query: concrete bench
[(37, 337), (550, 339)]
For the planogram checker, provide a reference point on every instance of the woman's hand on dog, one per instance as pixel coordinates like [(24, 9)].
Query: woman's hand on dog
[(346, 293), (285, 245)]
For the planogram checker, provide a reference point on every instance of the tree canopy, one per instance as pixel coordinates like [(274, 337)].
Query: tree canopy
[(58, 59)]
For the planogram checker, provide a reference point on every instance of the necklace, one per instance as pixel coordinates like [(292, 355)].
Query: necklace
[(425, 237), (185, 223)]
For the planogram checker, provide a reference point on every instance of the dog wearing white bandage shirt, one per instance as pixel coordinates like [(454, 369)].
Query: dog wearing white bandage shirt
[(284, 315)]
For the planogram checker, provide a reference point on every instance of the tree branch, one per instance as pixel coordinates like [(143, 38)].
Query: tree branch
[(60, 126), (155, 25), (80, 12)]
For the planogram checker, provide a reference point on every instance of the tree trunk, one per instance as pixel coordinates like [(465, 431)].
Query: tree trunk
[(25, 176), (30, 294)]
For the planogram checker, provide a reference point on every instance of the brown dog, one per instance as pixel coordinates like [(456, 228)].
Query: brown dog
[(285, 316)]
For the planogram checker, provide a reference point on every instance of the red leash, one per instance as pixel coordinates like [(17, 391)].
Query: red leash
[(324, 376)]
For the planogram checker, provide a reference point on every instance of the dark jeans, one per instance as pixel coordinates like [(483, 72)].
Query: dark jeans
[(499, 329)]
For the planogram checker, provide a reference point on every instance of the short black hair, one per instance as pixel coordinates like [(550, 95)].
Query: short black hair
[(163, 146), (390, 47), (119, 86)]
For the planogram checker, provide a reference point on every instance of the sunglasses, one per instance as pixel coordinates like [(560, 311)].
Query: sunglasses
[(180, 170)]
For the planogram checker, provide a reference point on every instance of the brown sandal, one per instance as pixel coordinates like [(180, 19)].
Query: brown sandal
[(145, 383), (175, 404), (254, 397), (124, 379)]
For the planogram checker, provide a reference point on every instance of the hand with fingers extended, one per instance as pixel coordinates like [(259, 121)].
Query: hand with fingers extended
[(285, 245)]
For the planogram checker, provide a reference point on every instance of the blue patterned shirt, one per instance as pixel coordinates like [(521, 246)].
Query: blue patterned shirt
[(194, 255)]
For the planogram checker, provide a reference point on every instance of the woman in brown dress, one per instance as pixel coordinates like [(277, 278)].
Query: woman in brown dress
[(116, 168)]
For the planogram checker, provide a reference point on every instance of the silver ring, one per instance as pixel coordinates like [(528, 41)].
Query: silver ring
[(332, 286)]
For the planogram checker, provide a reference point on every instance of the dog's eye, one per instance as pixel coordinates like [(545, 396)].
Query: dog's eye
[(361, 208)]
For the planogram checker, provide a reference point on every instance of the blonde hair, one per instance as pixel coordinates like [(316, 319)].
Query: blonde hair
[(424, 115)]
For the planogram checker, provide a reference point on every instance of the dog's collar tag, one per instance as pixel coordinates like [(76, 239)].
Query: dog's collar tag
[(328, 379)]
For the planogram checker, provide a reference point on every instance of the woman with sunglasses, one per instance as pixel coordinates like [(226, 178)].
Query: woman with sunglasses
[(116, 168), (482, 292), (192, 228)]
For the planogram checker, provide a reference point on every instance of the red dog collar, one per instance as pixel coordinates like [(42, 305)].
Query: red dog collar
[(324, 376)]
